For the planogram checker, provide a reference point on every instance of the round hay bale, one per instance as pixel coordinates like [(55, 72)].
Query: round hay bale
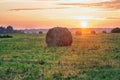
[(78, 33), (93, 32), (59, 37), (40, 32), (104, 32)]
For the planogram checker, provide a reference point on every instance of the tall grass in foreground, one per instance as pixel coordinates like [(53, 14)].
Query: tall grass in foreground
[(91, 57)]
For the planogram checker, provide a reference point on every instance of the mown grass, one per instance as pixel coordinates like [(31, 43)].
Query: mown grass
[(91, 57)]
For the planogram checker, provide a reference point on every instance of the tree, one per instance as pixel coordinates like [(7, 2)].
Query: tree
[(2, 30), (115, 30), (9, 29)]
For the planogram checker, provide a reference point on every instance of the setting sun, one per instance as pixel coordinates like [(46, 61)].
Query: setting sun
[(83, 24)]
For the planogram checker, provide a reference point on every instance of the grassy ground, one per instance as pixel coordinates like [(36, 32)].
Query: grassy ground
[(91, 57)]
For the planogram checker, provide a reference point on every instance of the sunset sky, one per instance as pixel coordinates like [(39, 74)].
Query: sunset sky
[(36, 14)]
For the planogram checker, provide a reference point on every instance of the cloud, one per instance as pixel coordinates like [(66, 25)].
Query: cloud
[(113, 18), (95, 18), (87, 18), (113, 4), (29, 9), (81, 17)]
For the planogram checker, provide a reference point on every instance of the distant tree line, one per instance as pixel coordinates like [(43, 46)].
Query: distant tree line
[(9, 29)]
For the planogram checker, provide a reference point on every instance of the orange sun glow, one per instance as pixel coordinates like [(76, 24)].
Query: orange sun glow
[(83, 24)]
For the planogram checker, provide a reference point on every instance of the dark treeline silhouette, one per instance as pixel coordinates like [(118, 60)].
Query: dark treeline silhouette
[(7, 30)]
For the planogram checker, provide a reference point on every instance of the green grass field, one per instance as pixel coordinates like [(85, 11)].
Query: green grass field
[(91, 57)]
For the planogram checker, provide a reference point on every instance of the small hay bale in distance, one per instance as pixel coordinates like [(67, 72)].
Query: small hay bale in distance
[(40, 32), (59, 36), (93, 32), (104, 32), (78, 33)]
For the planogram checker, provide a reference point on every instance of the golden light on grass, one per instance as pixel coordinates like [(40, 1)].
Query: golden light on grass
[(84, 27)]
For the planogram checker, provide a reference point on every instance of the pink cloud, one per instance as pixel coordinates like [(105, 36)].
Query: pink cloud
[(113, 4)]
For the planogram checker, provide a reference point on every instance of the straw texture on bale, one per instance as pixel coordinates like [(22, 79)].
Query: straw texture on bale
[(59, 37)]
